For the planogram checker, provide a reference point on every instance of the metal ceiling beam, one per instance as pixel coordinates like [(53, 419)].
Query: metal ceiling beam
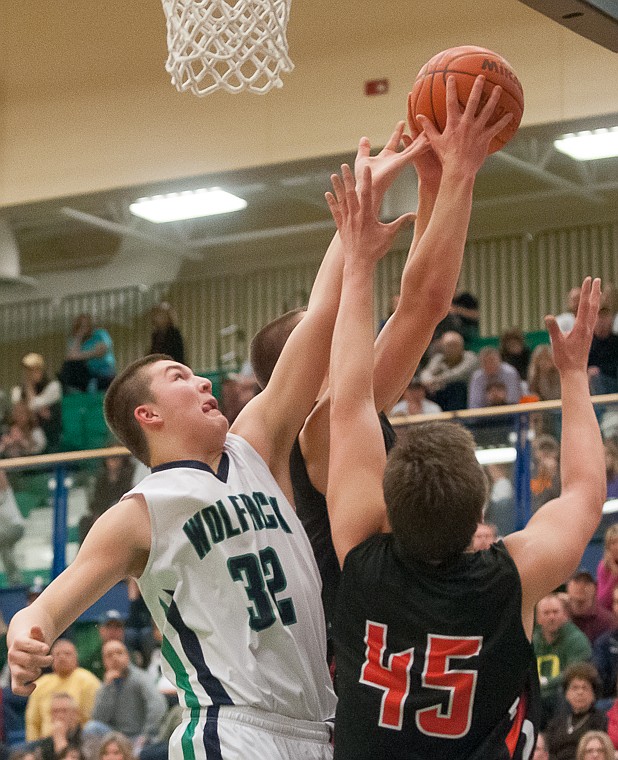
[(557, 181), (265, 234), (540, 195), (125, 230)]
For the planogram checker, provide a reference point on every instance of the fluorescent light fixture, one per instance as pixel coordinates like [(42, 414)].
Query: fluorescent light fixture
[(500, 455), (189, 204), (586, 146)]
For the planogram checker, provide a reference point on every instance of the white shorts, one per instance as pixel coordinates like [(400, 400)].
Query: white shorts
[(245, 733)]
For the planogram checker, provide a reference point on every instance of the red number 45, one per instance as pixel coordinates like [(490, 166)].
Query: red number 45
[(393, 678)]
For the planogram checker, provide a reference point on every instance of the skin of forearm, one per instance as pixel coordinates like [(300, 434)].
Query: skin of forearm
[(443, 241), (581, 448), (351, 382)]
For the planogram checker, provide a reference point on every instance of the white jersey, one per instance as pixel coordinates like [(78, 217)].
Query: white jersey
[(232, 584)]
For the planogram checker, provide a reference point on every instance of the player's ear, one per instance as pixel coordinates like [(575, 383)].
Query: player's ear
[(147, 414)]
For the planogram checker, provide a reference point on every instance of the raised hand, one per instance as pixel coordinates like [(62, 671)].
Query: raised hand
[(28, 655), (466, 136), (388, 163), (571, 349), (426, 162), (363, 236)]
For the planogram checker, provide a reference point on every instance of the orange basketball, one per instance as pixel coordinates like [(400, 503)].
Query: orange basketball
[(465, 63)]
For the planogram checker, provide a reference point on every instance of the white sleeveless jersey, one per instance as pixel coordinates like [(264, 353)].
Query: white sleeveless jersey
[(232, 584)]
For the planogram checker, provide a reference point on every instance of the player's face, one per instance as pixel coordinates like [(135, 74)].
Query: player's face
[(185, 402), (580, 695)]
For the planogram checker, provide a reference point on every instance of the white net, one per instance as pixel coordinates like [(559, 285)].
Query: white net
[(233, 45)]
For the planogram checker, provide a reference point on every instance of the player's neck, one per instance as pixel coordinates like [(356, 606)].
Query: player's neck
[(169, 451)]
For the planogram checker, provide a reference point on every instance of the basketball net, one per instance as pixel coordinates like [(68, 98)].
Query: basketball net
[(231, 45)]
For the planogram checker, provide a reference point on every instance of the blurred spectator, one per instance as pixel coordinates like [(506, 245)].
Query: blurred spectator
[(545, 482), (66, 677), (446, 375), (90, 363), (115, 478), (65, 729), (128, 701), (110, 627), (115, 746), (500, 508), (465, 306), (566, 320), (414, 401), (3, 651), (557, 643), (12, 526), (236, 392), (166, 337), (493, 369), (543, 377), (596, 745), (155, 669), (589, 616), (43, 397), (603, 357), (484, 536), (540, 748), (514, 351), (581, 685), (24, 437), (607, 569), (138, 634), (605, 655), (611, 468)]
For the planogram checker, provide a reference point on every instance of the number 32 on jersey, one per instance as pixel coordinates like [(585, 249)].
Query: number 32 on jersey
[(393, 678)]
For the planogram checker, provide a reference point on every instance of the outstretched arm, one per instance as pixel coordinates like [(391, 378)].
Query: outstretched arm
[(550, 547), (110, 552), (432, 270), (271, 421), (357, 456)]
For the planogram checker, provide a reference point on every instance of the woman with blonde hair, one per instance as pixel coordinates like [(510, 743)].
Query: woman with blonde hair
[(607, 569), (116, 746), (543, 377), (595, 745)]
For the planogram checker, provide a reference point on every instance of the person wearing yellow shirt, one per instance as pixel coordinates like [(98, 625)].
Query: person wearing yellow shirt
[(67, 678)]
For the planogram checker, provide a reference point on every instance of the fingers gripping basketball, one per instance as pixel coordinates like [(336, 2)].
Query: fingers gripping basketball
[(465, 63)]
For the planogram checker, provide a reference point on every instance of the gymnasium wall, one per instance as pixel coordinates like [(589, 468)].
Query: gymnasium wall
[(518, 279), (108, 117)]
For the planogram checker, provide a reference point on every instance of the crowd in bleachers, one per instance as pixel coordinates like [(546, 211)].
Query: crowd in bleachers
[(106, 697)]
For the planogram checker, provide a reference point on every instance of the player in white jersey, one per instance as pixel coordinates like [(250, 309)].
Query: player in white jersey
[(222, 561)]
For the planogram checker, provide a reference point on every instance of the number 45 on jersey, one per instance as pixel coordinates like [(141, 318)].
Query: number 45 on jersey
[(393, 678)]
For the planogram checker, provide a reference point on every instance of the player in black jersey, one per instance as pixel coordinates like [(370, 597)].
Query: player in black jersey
[(427, 287), (433, 640)]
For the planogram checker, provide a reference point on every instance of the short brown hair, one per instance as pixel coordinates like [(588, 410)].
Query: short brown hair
[(268, 343), (434, 490), (128, 390), (583, 671)]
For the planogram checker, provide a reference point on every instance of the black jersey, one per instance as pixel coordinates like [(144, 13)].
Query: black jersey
[(432, 661), (313, 514)]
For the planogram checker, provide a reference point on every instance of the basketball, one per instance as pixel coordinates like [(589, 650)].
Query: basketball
[(465, 63)]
